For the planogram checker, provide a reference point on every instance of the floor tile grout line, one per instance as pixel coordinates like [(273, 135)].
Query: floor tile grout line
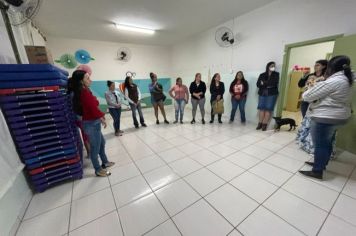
[(116, 206), (70, 207), (322, 225)]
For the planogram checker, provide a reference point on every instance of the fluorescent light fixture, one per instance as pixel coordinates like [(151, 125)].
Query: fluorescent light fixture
[(134, 29)]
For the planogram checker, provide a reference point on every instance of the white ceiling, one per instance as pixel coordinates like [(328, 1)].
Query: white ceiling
[(174, 20)]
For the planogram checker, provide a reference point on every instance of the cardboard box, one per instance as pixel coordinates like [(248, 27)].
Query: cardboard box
[(38, 55)]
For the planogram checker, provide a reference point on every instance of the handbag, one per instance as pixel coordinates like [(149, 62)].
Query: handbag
[(218, 107)]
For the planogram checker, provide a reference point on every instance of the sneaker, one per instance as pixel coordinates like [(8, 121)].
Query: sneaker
[(203, 121), (181, 122), (157, 122), (108, 165), (166, 121), (193, 121), (144, 125), (175, 122), (102, 173)]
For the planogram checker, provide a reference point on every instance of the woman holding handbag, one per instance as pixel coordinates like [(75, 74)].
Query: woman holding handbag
[(157, 97), (217, 90)]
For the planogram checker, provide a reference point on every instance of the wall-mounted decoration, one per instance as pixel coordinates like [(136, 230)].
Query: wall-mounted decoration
[(124, 54), (82, 56), (86, 68), (68, 61)]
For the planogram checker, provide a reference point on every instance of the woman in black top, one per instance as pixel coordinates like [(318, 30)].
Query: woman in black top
[(319, 71), (238, 91), (217, 90), (267, 84), (197, 90)]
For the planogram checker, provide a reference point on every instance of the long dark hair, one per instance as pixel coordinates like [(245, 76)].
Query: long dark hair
[(214, 77), (109, 83), (77, 87), (340, 63), (324, 63), (242, 80), (127, 81), (268, 65)]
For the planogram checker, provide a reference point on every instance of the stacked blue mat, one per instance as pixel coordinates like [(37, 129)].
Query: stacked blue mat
[(38, 112)]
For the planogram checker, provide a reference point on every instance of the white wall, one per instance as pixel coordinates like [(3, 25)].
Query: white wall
[(262, 35), (106, 66)]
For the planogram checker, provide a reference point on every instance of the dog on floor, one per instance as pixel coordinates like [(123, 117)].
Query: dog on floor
[(284, 121)]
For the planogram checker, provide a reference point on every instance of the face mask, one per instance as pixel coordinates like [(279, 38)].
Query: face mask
[(272, 69)]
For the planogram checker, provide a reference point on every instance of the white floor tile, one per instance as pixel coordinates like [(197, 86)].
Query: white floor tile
[(255, 187), (50, 199), (54, 222), (345, 208), (204, 181), (225, 169), (271, 146), (295, 153), (236, 143), (185, 166), (249, 138), (193, 136), (335, 226), (243, 160), (89, 185), (262, 222), (231, 203), (350, 188), (205, 157), (130, 190), (142, 215), (122, 173), (205, 142), (271, 173), (331, 180), (178, 141), (235, 233), (149, 163), (108, 225), (166, 229), (190, 148), (340, 168), (171, 155), (91, 207), (258, 152), (285, 163), (311, 192), (160, 177), (177, 196), (347, 158), (301, 214), (222, 150), (161, 146), (201, 219)]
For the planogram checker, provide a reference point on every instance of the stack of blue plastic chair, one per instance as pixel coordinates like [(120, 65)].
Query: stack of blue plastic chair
[(38, 112)]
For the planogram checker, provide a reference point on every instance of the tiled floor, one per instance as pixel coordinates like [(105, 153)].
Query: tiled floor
[(200, 180)]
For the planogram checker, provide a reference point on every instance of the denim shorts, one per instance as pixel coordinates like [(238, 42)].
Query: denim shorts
[(267, 103)]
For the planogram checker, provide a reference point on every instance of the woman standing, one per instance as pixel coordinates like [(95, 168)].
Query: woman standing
[(197, 90), (267, 84), (179, 93), (132, 91), (114, 104), (217, 90), (86, 105), (319, 71), (329, 108), (157, 97), (238, 91)]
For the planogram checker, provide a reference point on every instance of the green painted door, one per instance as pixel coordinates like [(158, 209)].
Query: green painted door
[(346, 136)]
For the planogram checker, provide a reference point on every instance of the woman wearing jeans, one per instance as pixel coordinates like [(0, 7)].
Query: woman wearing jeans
[(114, 104), (329, 108), (86, 105), (132, 91), (197, 89), (238, 91), (179, 93)]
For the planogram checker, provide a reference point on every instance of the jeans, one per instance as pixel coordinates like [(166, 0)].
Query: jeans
[(116, 114), (201, 103), (304, 108), (241, 104), (322, 136), (179, 105), (97, 143), (133, 110)]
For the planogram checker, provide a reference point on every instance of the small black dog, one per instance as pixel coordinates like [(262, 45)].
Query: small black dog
[(284, 121)]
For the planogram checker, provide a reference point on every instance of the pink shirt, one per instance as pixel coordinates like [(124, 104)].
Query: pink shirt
[(179, 92)]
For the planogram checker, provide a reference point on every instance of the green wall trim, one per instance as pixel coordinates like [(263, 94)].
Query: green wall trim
[(284, 72)]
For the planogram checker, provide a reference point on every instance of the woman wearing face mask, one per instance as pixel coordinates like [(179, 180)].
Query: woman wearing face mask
[(318, 75), (157, 97), (197, 90), (114, 104), (329, 109), (267, 85), (86, 105), (179, 93), (217, 90), (238, 91)]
